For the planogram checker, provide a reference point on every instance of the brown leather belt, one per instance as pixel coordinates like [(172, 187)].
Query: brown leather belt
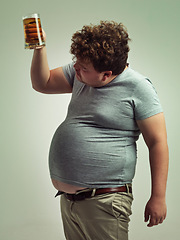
[(88, 193)]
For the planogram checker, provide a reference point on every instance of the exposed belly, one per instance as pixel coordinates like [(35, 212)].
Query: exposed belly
[(64, 187)]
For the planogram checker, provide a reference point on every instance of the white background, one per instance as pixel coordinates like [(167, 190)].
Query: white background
[(28, 119)]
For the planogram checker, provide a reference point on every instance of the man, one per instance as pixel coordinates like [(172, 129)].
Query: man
[(92, 156)]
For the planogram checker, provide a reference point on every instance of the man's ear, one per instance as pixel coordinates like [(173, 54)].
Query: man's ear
[(106, 75)]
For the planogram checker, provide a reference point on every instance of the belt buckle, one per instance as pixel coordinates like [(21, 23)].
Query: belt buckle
[(80, 197), (81, 194), (70, 197), (92, 191)]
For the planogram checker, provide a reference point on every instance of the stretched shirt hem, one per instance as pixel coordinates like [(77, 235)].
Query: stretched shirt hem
[(91, 185)]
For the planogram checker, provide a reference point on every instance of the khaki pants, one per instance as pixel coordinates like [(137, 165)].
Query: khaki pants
[(103, 217)]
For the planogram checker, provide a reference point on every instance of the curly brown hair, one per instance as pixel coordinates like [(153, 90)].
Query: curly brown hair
[(104, 45)]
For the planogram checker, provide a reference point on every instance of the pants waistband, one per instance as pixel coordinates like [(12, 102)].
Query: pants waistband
[(89, 192)]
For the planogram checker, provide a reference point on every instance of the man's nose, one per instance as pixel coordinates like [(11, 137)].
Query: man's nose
[(76, 66)]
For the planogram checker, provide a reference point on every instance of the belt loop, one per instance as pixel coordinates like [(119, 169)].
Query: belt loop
[(93, 192), (127, 186)]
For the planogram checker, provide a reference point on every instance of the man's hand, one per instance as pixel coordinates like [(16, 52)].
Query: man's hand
[(44, 38), (155, 211), (44, 35)]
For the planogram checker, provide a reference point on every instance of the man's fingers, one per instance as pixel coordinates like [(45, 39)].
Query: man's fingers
[(44, 34), (146, 215), (161, 220), (155, 221)]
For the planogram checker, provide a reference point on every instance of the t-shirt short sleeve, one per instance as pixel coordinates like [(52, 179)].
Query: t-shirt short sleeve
[(69, 73), (146, 101)]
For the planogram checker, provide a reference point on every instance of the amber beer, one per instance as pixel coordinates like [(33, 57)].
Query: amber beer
[(33, 32)]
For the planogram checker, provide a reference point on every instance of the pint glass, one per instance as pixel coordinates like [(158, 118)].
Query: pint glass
[(33, 31)]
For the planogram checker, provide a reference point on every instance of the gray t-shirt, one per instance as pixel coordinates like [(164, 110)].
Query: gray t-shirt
[(95, 146)]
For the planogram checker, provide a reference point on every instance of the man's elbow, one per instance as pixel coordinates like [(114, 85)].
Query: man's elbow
[(38, 88)]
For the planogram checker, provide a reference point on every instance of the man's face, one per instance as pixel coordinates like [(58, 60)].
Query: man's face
[(86, 73)]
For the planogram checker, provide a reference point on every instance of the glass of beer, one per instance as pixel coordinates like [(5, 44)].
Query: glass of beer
[(33, 31)]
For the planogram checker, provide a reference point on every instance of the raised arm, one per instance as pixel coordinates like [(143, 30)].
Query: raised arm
[(154, 133), (45, 80)]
